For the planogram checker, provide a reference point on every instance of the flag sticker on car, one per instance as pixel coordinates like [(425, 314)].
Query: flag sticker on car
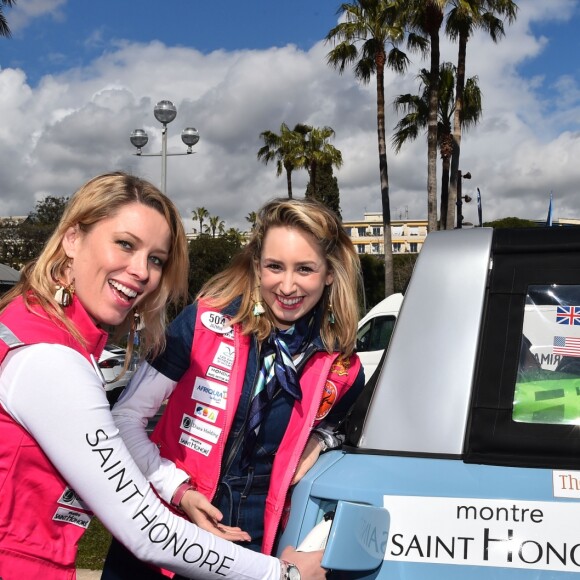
[(484, 532)]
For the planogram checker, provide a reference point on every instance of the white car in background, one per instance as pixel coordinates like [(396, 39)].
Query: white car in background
[(111, 364), (375, 330)]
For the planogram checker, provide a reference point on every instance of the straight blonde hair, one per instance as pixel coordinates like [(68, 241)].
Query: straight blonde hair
[(241, 278)]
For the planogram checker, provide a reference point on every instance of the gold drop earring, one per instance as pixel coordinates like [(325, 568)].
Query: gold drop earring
[(258, 306), (64, 294)]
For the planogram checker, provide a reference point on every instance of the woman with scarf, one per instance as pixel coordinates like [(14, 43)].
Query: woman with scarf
[(259, 371), (118, 252)]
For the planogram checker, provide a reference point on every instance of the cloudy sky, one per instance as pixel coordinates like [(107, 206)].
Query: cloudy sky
[(77, 77)]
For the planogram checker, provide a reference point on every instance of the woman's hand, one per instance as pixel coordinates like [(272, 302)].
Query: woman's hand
[(308, 458), (206, 516), (307, 562)]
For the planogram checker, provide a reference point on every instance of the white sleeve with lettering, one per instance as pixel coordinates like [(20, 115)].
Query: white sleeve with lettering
[(141, 400), (54, 393)]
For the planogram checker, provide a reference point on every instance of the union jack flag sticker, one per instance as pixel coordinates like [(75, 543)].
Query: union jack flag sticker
[(568, 315)]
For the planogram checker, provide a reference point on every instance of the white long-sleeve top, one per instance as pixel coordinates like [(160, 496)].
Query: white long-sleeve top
[(140, 402), (56, 395)]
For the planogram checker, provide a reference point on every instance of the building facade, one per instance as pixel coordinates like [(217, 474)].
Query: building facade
[(367, 234)]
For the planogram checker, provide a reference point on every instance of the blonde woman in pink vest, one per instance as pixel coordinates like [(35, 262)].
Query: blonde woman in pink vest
[(258, 374), (119, 253)]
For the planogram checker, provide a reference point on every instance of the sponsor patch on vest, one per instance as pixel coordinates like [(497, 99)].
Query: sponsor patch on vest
[(341, 366), (200, 428), (328, 399), (224, 357), (219, 374), (68, 516), (206, 412), (217, 322), (71, 499), (210, 393), (195, 444)]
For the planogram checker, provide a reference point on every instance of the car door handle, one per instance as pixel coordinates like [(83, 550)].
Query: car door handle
[(358, 537)]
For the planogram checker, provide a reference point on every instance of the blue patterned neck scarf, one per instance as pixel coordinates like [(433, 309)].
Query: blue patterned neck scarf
[(277, 372)]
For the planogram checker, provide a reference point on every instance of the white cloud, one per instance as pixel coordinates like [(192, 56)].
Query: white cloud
[(26, 10), (72, 126)]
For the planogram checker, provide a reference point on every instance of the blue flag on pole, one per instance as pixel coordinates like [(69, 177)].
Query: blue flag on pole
[(479, 212), (549, 218)]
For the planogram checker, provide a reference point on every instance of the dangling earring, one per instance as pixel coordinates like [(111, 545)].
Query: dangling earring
[(135, 328), (331, 318), (258, 306), (64, 294)]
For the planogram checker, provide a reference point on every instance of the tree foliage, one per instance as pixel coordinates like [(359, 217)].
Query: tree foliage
[(367, 38), (209, 256), (304, 147), (4, 28), (373, 273), (200, 214), (216, 226), (325, 189), (285, 148), (317, 151), (510, 222), (465, 17), (373, 269), (416, 109), (48, 211), (23, 241)]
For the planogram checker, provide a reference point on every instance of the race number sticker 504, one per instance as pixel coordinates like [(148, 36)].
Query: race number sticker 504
[(484, 532), (216, 322)]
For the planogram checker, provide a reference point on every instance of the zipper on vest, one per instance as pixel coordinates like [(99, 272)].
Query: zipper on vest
[(229, 459), (279, 509)]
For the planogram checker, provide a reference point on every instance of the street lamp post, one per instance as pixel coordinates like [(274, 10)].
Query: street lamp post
[(461, 197), (165, 112)]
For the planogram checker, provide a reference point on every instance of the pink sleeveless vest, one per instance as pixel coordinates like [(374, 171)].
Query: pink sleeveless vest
[(41, 518), (194, 427)]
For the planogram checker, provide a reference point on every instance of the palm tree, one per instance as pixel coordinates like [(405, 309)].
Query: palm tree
[(425, 17), (416, 118), (285, 148), (199, 214), (367, 38), (318, 151), (235, 235), (252, 218), (216, 225), (4, 28), (463, 19)]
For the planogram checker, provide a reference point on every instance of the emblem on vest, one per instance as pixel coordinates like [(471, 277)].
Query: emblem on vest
[(200, 428), (210, 393), (224, 357), (217, 322), (329, 396), (206, 412), (341, 366), (71, 499), (218, 374), (195, 444), (68, 515)]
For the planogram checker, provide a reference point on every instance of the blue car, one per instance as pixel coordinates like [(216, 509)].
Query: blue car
[(462, 455)]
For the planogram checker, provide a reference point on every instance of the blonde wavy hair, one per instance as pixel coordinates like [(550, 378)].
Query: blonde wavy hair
[(242, 277), (100, 198)]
